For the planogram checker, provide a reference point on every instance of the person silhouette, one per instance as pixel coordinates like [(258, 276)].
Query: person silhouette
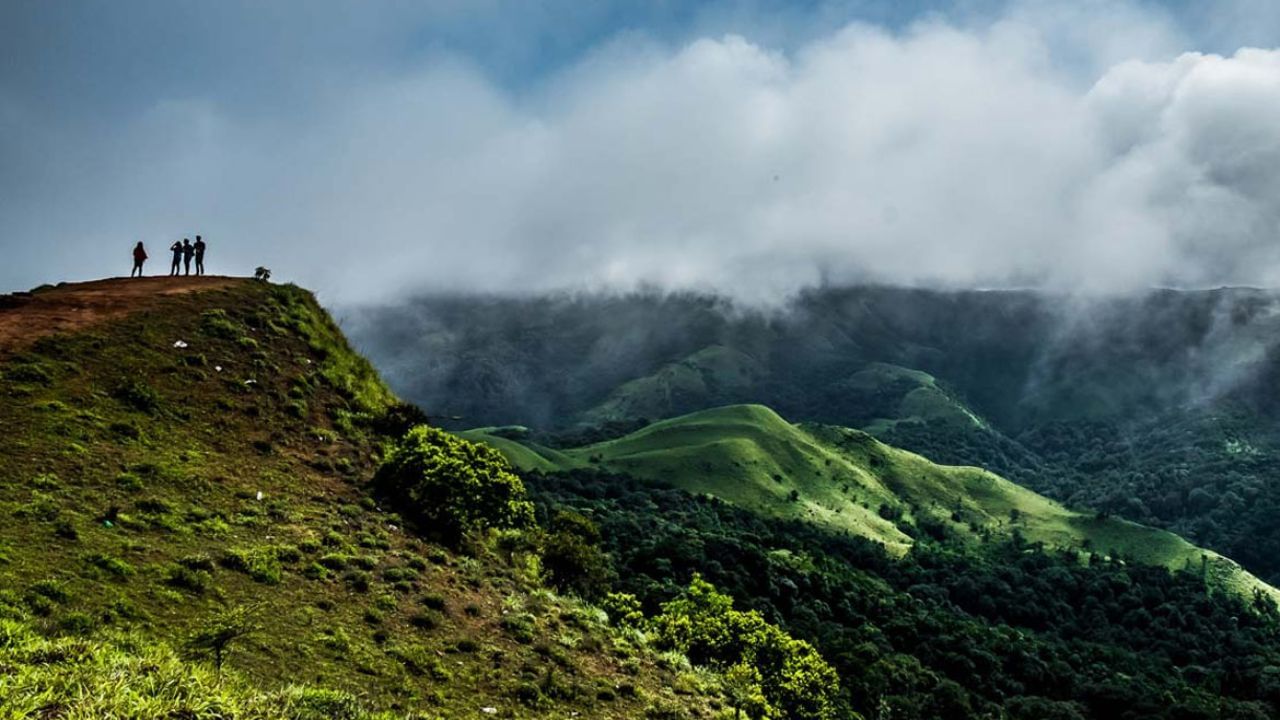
[(176, 249), (199, 246), (188, 250), (139, 257)]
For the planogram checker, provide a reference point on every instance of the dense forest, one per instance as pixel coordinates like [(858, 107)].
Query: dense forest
[(1206, 476), (947, 631)]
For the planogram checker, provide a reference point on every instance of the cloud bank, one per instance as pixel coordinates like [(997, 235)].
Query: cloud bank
[(1049, 146)]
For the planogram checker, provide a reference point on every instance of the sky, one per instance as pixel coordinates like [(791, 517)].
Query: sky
[(370, 149)]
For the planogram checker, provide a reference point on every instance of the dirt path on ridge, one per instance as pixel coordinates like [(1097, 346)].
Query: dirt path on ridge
[(26, 317)]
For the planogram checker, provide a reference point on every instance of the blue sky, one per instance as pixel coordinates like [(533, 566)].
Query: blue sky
[(285, 130)]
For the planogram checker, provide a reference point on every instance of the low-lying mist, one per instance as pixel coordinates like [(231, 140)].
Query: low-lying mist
[(1017, 357)]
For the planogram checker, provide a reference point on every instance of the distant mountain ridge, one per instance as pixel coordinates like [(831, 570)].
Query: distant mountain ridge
[(1018, 357)]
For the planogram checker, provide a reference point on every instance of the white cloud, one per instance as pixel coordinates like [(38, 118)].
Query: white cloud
[(962, 155)]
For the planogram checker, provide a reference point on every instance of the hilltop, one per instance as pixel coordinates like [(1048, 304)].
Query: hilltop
[(184, 455)]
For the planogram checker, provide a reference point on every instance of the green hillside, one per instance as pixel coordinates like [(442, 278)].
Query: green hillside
[(715, 375), (189, 460), (847, 481), (1135, 405), (904, 395)]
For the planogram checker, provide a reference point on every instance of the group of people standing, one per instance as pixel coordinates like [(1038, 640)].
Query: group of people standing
[(183, 253)]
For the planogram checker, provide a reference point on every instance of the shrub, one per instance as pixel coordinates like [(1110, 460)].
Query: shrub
[(125, 430), (137, 395), (451, 486), (357, 580), (77, 623), (216, 323), (623, 610), (129, 481), (573, 562), (261, 564), (51, 589), (420, 661), (398, 419), (520, 626), (198, 561), (334, 561), (28, 373), (425, 620), (65, 529), (112, 565), (288, 553), (396, 574), (321, 704), (220, 632), (193, 580), (785, 673)]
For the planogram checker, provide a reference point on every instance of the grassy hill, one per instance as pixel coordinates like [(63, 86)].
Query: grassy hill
[(715, 375), (848, 481), (180, 456), (1135, 405), (904, 395)]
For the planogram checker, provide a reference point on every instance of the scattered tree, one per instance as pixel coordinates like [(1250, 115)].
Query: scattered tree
[(450, 486)]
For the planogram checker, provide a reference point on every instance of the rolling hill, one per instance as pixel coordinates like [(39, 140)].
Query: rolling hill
[(1156, 406), (847, 481), (713, 376)]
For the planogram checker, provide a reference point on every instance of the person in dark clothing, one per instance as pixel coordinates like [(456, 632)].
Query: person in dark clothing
[(188, 250), (139, 257), (199, 246), (176, 249)]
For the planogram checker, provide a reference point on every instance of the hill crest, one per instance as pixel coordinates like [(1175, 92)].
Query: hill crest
[(848, 481)]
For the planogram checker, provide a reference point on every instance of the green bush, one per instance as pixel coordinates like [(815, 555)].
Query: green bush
[(334, 561), (623, 610), (761, 660), (218, 633), (450, 486), (137, 395), (216, 323), (112, 565), (261, 564), (29, 373), (573, 564), (191, 579)]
